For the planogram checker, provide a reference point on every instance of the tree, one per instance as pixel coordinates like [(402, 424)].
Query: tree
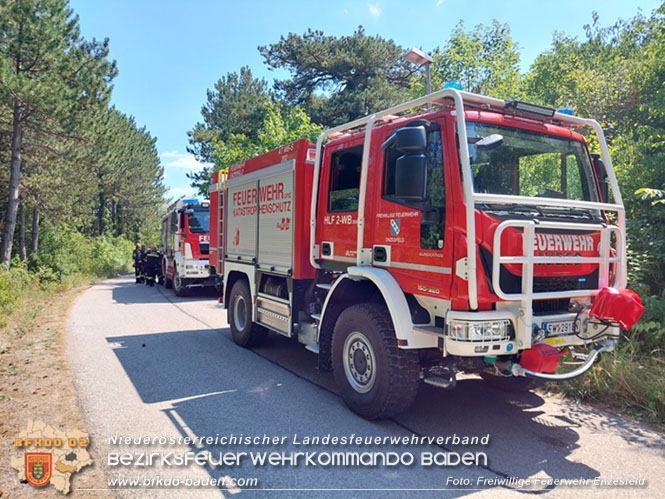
[(339, 79), (281, 125), (48, 75), (235, 106), (616, 75), (486, 60)]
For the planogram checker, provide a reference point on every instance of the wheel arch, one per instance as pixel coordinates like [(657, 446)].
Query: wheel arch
[(233, 277), (363, 285)]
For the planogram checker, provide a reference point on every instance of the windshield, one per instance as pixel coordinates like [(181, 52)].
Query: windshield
[(199, 222), (525, 163)]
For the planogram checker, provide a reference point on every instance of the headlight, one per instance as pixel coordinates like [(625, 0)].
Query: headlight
[(497, 330)]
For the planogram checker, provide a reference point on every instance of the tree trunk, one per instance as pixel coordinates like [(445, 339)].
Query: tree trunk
[(101, 212), (34, 243), (14, 179), (21, 230), (114, 217)]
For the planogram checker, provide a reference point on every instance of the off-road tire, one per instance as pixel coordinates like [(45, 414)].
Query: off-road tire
[(180, 290), (244, 332), (512, 384), (397, 372)]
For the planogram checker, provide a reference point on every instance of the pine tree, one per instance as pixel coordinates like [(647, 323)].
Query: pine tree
[(48, 75)]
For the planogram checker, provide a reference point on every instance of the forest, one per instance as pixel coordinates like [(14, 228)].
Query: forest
[(80, 179)]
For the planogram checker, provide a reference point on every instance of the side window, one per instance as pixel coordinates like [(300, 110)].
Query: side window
[(433, 217), (345, 179), (433, 208)]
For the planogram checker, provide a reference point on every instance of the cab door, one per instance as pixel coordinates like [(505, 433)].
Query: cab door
[(337, 225), (412, 238)]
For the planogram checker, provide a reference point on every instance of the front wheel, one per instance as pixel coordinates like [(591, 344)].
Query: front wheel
[(244, 332), (375, 378), (179, 284)]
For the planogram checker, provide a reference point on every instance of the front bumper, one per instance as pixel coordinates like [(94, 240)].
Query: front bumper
[(580, 330), (195, 269)]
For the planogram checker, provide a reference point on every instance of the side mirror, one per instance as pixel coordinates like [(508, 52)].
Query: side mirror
[(601, 174), (182, 221), (409, 139), (489, 143), (411, 177)]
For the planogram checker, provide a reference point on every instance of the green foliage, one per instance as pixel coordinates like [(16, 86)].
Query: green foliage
[(656, 195), (64, 251), (485, 59), (84, 168), (647, 337), (281, 125), (339, 79), (13, 283), (234, 107)]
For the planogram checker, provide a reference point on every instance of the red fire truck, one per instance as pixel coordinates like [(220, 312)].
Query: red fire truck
[(185, 245), (474, 235)]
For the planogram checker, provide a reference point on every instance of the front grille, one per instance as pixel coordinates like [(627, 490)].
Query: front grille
[(561, 283), (549, 306), (511, 283)]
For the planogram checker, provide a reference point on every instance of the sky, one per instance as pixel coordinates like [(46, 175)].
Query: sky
[(170, 52)]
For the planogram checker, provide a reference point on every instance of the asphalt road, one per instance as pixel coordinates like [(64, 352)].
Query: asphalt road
[(149, 364)]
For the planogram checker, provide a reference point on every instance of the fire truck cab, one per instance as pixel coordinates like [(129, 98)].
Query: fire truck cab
[(418, 243), (185, 245)]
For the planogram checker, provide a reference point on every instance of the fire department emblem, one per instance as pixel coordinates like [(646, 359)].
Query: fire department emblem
[(236, 239), (38, 468), (395, 226)]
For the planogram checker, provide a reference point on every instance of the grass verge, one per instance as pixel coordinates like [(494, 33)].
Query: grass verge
[(35, 382), (626, 381)]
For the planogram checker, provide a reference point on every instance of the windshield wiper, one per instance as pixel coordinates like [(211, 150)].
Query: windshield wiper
[(511, 208), (560, 211)]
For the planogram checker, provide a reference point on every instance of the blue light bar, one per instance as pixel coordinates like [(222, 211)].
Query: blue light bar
[(456, 84)]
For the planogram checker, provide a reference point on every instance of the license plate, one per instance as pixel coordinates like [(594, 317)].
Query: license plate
[(559, 328)]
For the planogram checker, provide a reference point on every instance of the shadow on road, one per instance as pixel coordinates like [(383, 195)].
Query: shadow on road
[(210, 387), (132, 293)]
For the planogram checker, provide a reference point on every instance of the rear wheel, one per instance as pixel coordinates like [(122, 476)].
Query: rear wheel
[(179, 283), (244, 332), (375, 378)]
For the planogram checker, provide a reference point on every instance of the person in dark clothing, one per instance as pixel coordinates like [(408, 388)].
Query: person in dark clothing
[(160, 278), (137, 255), (151, 266)]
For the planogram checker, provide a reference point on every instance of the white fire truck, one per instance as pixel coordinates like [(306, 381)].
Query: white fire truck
[(480, 235)]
